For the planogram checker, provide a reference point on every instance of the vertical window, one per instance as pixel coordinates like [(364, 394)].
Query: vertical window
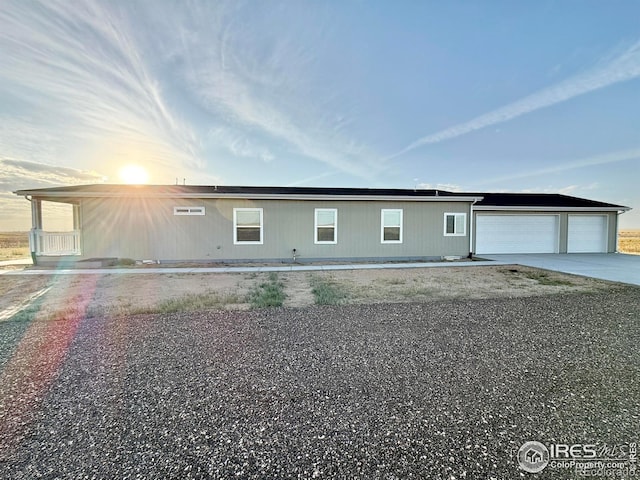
[(247, 225), (326, 225), (455, 224), (391, 225)]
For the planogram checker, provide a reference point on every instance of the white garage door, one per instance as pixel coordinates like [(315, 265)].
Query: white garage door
[(516, 234), (587, 234)]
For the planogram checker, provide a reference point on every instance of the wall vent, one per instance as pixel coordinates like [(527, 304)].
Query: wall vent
[(188, 210)]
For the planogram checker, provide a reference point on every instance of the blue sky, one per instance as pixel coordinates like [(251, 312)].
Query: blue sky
[(488, 95)]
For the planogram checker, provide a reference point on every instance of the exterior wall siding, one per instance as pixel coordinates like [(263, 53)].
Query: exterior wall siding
[(613, 232), (563, 232), (146, 228)]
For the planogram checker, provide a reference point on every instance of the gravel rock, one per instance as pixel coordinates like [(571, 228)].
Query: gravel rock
[(440, 390)]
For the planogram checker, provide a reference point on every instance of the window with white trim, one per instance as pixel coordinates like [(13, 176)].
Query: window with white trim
[(455, 224), (188, 210), (326, 225), (391, 225), (247, 226)]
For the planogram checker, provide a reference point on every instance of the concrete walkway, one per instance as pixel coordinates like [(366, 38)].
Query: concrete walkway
[(19, 261), (615, 267), (231, 269)]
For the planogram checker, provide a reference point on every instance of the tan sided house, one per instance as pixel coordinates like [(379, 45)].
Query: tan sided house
[(176, 223)]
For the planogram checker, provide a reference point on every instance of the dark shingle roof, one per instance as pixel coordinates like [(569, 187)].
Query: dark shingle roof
[(539, 200), (234, 189), (485, 199)]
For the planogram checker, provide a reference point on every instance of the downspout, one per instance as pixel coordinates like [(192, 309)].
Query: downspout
[(471, 222)]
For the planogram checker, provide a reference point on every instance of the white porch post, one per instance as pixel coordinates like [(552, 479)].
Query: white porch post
[(36, 227), (36, 214), (76, 217)]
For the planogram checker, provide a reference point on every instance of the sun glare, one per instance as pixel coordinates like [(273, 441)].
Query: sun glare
[(134, 174)]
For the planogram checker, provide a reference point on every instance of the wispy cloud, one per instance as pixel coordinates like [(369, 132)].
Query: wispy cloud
[(23, 137), (623, 67), (109, 70), (257, 81), (81, 61), (239, 144), (450, 187), (18, 174), (566, 190), (21, 174), (311, 181), (563, 166)]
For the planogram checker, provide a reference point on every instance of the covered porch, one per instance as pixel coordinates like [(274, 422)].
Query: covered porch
[(46, 243)]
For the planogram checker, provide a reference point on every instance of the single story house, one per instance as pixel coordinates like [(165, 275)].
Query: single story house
[(194, 223)]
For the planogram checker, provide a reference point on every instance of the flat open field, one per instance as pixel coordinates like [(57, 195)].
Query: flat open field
[(14, 245), (629, 241), (113, 294)]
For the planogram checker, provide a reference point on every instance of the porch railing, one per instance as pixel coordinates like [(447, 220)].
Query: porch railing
[(55, 243)]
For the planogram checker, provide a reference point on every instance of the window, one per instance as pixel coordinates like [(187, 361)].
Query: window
[(326, 225), (391, 225), (455, 224), (188, 210), (247, 225)]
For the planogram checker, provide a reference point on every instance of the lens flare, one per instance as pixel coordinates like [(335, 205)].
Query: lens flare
[(134, 174)]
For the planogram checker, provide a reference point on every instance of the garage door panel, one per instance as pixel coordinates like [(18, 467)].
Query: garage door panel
[(587, 234), (516, 234)]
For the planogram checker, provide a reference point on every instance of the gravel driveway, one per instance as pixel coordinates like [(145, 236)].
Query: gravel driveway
[(448, 389)]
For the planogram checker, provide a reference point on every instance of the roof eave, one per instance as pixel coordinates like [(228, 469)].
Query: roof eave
[(608, 208), (43, 194)]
